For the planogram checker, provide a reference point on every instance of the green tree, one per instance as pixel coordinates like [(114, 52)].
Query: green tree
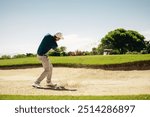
[(94, 51), (147, 43), (5, 57), (123, 41), (63, 48), (58, 51), (19, 56)]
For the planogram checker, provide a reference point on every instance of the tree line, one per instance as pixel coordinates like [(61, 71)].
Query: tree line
[(119, 41), (61, 51)]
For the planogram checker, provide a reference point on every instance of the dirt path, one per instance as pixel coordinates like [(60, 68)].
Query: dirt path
[(86, 81)]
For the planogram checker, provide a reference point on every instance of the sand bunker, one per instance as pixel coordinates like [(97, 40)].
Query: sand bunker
[(86, 81)]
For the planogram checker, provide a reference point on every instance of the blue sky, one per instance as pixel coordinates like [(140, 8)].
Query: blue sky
[(23, 23)]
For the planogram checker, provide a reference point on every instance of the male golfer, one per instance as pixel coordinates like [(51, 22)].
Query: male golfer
[(48, 42)]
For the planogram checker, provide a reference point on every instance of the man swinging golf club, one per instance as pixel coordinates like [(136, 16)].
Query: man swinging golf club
[(48, 42)]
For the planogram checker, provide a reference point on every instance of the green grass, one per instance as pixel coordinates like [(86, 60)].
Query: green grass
[(118, 97), (81, 60)]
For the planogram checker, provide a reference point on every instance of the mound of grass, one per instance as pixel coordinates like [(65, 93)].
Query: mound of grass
[(78, 60), (116, 97), (99, 59)]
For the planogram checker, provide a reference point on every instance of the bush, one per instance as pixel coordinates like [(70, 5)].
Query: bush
[(86, 53), (63, 54), (5, 57), (134, 52), (19, 56), (144, 52), (71, 53), (78, 53), (30, 55), (54, 53), (115, 52)]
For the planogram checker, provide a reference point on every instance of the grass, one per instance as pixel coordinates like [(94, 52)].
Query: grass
[(117, 97), (81, 60)]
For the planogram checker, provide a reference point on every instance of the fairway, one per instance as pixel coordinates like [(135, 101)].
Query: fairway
[(78, 60)]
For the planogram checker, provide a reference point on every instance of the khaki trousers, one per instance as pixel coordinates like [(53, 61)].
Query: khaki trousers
[(47, 69)]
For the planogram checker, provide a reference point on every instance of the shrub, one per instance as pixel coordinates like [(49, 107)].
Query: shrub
[(134, 52), (19, 56), (5, 57), (115, 52), (30, 55)]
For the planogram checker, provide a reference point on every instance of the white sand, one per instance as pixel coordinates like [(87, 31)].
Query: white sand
[(86, 81)]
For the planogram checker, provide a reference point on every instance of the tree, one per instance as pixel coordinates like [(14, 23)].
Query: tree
[(94, 51), (58, 51), (5, 57), (63, 48), (147, 43), (30, 55), (19, 56), (123, 41)]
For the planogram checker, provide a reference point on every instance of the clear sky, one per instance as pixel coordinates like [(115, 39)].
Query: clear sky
[(23, 23)]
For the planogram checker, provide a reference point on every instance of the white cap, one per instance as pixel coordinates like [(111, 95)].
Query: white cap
[(59, 35)]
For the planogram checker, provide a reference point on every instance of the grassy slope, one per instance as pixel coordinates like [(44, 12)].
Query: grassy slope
[(86, 60), (126, 97)]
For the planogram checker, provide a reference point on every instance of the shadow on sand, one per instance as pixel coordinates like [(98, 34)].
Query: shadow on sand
[(56, 89)]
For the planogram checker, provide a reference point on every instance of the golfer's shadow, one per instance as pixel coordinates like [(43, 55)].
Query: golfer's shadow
[(56, 89)]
